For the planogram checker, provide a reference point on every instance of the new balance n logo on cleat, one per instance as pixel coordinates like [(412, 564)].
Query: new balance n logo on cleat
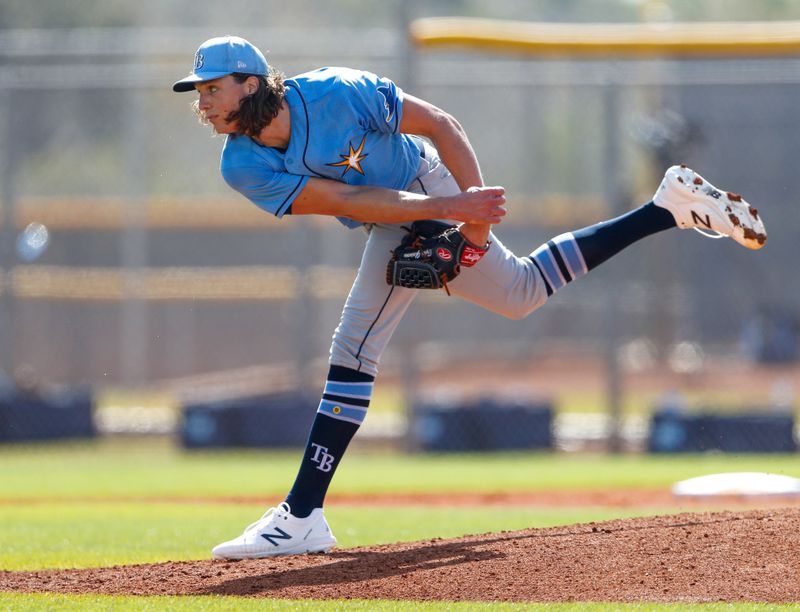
[(697, 204), (698, 219), (271, 537), (265, 538)]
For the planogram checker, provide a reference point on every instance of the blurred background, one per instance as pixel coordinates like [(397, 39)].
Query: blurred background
[(140, 295)]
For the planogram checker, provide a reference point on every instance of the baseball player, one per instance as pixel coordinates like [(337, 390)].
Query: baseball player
[(353, 145)]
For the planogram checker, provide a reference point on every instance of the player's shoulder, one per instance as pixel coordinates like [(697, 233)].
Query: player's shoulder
[(241, 153), (329, 74), (242, 149), (323, 81)]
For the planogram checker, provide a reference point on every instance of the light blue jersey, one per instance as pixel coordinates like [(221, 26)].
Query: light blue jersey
[(344, 126)]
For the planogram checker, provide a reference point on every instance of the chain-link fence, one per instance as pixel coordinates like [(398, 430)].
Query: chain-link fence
[(127, 263)]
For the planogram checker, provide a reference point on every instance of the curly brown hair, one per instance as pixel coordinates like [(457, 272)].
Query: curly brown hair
[(257, 110)]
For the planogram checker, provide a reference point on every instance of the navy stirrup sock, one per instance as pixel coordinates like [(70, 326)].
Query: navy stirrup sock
[(342, 409), (571, 255), (604, 240)]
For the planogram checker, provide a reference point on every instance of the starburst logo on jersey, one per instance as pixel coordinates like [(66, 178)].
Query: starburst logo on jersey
[(388, 101), (352, 160)]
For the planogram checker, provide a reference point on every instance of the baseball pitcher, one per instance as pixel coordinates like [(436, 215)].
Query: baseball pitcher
[(350, 144)]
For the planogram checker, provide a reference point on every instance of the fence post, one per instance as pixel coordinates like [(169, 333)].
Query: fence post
[(613, 194), (7, 210)]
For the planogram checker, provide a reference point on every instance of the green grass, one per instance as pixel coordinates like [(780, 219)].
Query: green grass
[(97, 503), (20, 603), (130, 468)]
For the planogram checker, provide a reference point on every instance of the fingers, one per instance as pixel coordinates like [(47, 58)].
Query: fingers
[(491, 194), (491, 208), (491, 214), (498, 215), (479, 205), (496, 190), (493, 218)]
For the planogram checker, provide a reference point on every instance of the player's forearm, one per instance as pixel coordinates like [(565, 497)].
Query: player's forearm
[(457, 154), (424, 119), (387, 206), (378, 205)]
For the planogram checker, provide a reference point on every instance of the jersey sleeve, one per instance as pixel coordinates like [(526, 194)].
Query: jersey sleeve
[(380, 102), (270, 190)]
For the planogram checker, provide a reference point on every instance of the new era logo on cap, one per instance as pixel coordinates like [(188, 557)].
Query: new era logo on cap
[(221, 56)]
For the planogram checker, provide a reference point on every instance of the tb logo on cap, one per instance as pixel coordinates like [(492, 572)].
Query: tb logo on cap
[(198, 60)]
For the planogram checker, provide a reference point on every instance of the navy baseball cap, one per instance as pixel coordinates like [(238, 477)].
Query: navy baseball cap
[(221, 56)]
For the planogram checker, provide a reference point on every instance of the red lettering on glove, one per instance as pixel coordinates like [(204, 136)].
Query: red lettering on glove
[(471, 255)]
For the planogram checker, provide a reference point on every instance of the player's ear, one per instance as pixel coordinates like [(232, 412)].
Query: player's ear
[(251, 85)]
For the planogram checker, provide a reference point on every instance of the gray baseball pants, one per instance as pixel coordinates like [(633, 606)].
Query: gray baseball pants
[(500, 282)]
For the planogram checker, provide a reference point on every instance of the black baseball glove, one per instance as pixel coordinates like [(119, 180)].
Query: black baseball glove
[(431, 255)]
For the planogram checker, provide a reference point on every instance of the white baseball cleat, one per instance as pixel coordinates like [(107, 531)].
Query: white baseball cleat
[(277, 533), (696, 203)]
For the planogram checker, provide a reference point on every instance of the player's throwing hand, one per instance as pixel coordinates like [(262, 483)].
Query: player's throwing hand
[(478, 205)]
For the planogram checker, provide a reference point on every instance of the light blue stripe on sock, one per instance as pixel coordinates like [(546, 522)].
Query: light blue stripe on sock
[(343, 412), (544, 257), (571, 254), (362, 390)]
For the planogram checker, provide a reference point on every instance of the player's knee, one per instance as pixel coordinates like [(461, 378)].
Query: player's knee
[(345, 352), (517, 310)]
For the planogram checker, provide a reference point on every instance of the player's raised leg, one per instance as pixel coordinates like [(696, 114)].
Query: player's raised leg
[(684, 199), (516, 286)]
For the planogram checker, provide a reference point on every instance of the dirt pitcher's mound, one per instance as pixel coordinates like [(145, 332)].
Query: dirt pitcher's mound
[(721, 556)]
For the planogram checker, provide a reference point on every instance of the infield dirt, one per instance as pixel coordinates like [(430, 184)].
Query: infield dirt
[(693, 557)]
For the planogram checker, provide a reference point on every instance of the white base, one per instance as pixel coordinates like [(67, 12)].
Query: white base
[(738, 483)]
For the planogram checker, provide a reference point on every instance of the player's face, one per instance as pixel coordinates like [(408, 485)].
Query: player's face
[(218, 99)]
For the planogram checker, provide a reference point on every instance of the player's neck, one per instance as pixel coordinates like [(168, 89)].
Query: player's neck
[(279, 130)]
